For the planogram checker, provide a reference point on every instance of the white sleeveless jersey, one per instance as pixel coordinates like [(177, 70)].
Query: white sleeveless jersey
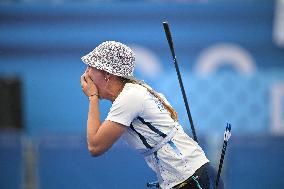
[(148, 123)]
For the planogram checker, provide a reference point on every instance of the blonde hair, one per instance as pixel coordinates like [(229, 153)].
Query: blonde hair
[(170, 109)]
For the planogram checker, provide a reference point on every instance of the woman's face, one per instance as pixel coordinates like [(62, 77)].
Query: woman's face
[(98, 77)]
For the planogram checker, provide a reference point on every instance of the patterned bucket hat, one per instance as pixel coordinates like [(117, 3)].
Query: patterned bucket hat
[(112, 57)]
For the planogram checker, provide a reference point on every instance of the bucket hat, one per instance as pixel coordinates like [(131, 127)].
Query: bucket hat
[(112, 57)]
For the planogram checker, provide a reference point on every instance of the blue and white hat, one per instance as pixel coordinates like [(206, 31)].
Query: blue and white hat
[(112, 57)]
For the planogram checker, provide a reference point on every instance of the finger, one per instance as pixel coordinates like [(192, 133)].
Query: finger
[(88, 78), (85, 75), (83, 80)]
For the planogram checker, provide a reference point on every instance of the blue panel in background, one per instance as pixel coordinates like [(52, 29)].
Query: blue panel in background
[(255, 162), (11, 160)]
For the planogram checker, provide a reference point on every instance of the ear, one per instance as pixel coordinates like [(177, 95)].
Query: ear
[(106, 76)]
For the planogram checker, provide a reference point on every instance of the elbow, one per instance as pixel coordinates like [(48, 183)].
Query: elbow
[(95, 151)]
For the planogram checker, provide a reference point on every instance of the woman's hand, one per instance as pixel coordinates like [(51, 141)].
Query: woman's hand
[(88, 86)]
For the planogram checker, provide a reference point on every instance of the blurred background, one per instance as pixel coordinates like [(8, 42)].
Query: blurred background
[(231, 57)]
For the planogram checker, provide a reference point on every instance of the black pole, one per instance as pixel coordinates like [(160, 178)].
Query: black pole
[(227, 135), (170, 41)]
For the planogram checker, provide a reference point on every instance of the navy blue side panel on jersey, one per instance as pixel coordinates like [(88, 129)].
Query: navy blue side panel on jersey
[(143, 139), (152, 127)]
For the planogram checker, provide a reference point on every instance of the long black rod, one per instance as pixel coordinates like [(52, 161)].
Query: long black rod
[(227, 136), (170, 41)]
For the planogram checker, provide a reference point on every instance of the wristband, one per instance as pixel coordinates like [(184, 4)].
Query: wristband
[(95, 94)]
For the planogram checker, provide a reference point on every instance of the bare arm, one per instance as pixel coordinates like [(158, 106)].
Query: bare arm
[(100, 137)]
